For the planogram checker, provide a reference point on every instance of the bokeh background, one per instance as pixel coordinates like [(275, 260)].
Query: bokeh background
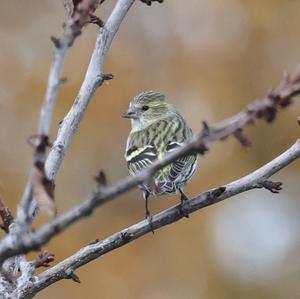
[(210, 58)]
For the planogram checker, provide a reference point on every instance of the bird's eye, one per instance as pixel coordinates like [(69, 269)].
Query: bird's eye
[(145, 108)]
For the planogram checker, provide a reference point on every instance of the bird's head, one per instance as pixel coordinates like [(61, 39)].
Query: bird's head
[(146, 108)]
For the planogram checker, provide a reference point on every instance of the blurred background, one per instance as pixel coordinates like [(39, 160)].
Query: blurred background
[(210, 58)]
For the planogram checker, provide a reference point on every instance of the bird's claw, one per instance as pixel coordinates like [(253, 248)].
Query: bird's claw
[(183, 201), (148, 216), (183, 210)]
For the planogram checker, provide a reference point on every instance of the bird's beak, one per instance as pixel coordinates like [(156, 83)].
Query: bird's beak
[(129, 114)]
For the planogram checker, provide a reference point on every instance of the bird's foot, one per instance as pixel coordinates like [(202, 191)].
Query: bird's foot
[(148, 216), (183, 202)]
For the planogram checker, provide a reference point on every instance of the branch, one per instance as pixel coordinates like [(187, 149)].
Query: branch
[(10, 247), (265, 108), (26, 208), (16, 243), (39, 186), (93, 79), (72, 28), (256, 179)]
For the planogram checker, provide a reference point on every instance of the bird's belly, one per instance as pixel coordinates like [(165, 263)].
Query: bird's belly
[(162, 185), (160, 188)]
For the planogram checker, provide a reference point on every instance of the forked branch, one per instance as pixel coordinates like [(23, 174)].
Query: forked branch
[(72, 28), (256, 179), (199, 143)]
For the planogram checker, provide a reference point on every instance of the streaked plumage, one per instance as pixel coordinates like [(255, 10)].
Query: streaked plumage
[(157, 129)]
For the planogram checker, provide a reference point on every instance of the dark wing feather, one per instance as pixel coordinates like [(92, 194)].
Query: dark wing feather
[(139, 158), (182, 168)]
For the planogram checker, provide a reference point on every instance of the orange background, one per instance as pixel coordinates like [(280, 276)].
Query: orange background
[(210, 58)]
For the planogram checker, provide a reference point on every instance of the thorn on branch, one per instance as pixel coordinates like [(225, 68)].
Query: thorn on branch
[(106, 77), (71, 275), (63, 80), (44, 259), (242, 138), (206, 129), (201, 147), (94, 242), (269, 113), (75, 277), (274, 187), (101, 179), (298, 119), (6, 216), (55, 41)]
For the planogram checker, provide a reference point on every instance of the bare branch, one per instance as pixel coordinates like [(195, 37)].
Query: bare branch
[(198, 143), (27, 207), (34, 240), (80, 16), (101, 179), (256, 179), (265, 108), (17, 243), (72, 29), (93, 79)]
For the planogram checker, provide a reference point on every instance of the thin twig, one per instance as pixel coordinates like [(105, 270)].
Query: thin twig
[(265, 108), (92, 251)]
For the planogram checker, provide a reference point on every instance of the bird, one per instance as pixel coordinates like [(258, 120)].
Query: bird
[(157, 128)]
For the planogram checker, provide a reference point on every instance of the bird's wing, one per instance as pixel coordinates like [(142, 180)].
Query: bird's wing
[(143, 146), (140, 157), (183, 168)]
